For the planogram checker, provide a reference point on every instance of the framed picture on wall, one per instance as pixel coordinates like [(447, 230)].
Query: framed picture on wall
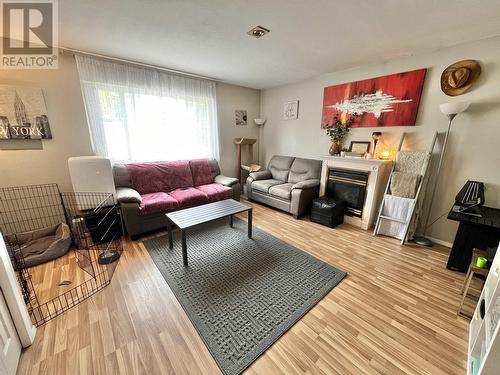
[(291, 110), (360, 147), (23, 114), (240, 116), (391, 100)]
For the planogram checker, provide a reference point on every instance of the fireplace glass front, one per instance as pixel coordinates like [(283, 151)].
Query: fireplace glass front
[(348, 185)]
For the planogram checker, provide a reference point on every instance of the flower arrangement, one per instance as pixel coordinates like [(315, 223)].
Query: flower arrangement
[(337, 132)]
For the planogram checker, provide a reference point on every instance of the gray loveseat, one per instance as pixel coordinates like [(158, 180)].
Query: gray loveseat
[(288, 183)]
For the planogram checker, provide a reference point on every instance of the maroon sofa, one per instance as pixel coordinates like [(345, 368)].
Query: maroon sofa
[(146, 191)]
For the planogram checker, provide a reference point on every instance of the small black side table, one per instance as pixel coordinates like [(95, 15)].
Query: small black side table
[(473, 232)]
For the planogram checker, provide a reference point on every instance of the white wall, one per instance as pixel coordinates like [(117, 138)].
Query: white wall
[(473, 148), (68, 123), (67, 118), (230, 98)]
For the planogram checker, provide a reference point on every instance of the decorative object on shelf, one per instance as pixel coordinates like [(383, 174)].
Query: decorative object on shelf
[(359, 147), (291, 110), (337, 132), (259, 121), (391, 100), (23, 114), (459, 77), (240, 117), (375, 136), (451, 110), (385, 155), (481, 262)]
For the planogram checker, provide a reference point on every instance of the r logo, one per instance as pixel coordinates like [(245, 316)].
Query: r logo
[(29, 29)]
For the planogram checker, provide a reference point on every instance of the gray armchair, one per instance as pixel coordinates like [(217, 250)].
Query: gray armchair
[(289, 184)]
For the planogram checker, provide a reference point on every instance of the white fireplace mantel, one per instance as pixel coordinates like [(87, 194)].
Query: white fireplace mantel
[(379, 171)]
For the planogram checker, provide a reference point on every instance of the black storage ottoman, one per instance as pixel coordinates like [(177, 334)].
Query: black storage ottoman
[(328, 211)]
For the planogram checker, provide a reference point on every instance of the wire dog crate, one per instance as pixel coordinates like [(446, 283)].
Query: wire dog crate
[(94, 221)]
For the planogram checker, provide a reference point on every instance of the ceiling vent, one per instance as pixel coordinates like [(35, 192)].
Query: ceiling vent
[(258, 31)]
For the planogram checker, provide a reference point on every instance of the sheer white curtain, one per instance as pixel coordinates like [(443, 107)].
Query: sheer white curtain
[(140, 114)]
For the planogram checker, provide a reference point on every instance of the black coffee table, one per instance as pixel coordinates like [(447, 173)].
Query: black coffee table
[(193, 216)]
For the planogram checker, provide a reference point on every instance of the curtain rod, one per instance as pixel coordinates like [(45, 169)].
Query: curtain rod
[(71, 51)]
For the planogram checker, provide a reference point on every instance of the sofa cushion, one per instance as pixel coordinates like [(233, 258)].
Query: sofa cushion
[(121, 175), (264, 185), (304, 169), (216, 192), (201, 171), (306, 184), (189, 197), (214, 167), (283, 191), (226, 181), (279, 166), (127, 195), (161, 176), (157, 202)]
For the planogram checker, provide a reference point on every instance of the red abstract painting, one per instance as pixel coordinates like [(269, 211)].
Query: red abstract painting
[(391, 100)]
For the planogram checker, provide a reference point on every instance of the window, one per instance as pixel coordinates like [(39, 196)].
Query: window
[(138, 114)]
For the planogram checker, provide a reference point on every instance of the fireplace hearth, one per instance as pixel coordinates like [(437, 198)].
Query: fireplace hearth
[(350, 186)]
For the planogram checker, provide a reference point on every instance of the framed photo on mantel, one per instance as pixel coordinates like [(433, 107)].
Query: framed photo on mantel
[(360, 147)]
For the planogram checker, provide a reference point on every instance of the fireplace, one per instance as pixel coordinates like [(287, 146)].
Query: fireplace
[(370, 177), (350, 186)]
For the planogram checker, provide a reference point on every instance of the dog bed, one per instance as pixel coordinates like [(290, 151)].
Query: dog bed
[(42, 245)]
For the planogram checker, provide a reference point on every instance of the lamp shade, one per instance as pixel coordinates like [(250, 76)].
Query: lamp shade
[(453, 108), (259, 121)]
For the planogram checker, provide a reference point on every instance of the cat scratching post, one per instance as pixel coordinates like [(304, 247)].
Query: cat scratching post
[(251, 167)]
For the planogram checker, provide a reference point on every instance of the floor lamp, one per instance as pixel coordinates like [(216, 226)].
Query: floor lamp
[(451, 110)]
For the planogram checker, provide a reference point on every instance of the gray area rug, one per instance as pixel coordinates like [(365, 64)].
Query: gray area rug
[(241, 294)]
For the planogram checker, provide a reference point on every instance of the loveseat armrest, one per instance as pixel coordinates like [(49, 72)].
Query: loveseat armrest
[(261, 175), (306, 184), (226, 181), (128, 195)]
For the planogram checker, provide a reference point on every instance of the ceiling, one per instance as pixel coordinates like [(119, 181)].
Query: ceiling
[(307, 38)]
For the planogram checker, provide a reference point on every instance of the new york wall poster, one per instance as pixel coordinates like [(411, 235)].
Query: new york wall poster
[(23, 114)]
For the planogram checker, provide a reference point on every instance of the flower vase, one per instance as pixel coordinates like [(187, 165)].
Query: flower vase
[(335, 148)]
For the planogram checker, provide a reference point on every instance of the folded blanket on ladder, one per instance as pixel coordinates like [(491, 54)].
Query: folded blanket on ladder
[(398, 208), (404, 184)]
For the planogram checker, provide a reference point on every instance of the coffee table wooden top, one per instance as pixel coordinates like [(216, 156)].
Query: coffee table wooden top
[(189, 217)]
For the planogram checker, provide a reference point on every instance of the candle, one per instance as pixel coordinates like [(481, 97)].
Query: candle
[(385, 155)]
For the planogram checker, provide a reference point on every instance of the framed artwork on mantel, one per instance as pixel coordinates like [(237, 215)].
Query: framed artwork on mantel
[(23, 114), (391, 100)]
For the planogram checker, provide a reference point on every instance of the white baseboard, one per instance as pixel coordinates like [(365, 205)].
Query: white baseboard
[(440, 242)]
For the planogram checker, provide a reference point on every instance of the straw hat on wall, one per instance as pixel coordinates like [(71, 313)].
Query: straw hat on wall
[(459, 77)]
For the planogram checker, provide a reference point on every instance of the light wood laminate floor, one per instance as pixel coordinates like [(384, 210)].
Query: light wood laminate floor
[(394, 313)]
